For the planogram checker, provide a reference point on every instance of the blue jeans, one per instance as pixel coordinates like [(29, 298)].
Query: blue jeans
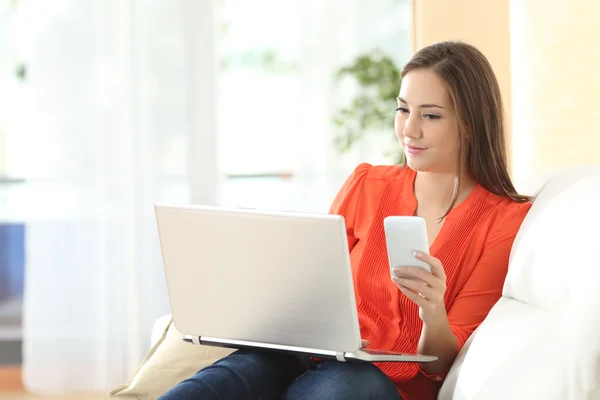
[(251, 374)]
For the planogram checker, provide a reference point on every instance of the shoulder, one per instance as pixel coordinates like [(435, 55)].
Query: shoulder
[(365, 185), (367, 174), (389, 173), (508, 208), (507, 216)]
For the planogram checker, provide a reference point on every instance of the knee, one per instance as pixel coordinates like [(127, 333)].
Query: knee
[(380, 385), (365, 380)]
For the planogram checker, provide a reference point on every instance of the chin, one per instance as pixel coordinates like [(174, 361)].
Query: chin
[(419, 165), (424, 165)]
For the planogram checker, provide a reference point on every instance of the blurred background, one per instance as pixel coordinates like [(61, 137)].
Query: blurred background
[(108, 106)]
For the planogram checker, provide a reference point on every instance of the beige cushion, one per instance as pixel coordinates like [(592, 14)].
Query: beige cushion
[(169, 361)]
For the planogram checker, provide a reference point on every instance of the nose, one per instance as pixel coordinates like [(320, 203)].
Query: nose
[(409, 127)]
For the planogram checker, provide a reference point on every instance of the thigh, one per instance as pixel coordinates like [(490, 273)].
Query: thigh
[(244, 374), (334, 380)]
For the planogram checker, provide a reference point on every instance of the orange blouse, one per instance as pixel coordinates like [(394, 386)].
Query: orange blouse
[(473, 245)]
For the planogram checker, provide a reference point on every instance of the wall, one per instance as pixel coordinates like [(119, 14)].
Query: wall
[(482, 23), (555, 64), (546, 64)]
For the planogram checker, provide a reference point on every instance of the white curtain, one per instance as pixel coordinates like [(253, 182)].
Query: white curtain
[(120, 111)]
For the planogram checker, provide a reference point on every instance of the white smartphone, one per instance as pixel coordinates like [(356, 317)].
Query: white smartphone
[(405, 235)]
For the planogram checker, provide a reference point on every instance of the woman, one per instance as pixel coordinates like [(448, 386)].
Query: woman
[(449, 122)]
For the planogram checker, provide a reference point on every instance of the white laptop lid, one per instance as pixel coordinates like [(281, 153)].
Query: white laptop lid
[(268, 277)]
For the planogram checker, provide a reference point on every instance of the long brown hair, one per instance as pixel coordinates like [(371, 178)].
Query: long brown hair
[(474, 89)]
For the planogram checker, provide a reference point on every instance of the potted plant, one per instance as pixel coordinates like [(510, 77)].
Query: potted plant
[(372, 109)]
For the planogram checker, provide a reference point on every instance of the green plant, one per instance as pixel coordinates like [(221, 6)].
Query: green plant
[(371, 111)]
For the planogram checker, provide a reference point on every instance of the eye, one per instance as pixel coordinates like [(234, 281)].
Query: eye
[(431, 116), (402, 109)]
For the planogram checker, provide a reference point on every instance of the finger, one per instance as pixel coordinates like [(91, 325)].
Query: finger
[(417, 286), (364, 343), (411, 273), (436, 266), (418, 274), (418, 300)]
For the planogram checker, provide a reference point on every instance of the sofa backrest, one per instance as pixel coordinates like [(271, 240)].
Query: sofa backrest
[(542, 339)]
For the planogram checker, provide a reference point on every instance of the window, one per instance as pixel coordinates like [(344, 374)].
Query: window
[(277, 94)]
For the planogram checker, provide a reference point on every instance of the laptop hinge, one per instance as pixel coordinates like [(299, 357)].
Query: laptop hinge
[(237, 344)]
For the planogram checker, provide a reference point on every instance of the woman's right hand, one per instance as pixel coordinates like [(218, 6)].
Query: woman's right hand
[(364, 343)]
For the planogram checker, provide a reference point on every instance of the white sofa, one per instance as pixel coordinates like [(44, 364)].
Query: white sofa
[(542, 339)]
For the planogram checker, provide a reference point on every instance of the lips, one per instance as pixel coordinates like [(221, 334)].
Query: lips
[(410, 149)]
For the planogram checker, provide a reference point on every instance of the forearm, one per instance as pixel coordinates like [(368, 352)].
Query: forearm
[(438, 340)]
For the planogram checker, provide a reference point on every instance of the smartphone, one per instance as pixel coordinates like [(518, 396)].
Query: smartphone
[(405, 235)]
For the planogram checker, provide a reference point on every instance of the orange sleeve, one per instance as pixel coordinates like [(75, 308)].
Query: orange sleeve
[(484, 287), (345, 202)]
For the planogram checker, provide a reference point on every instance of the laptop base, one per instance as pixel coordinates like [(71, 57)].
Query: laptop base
[(365, 355)]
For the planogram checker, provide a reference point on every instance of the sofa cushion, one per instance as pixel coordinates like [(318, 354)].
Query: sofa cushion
[(542, 339), (170, 361)]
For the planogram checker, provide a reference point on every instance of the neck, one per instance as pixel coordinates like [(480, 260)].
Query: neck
[(434, 191)]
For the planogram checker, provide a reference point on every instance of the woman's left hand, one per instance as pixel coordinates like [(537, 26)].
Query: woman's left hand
[(426, 289)]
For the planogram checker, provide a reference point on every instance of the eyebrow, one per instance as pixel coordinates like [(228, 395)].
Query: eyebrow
[(400, 99)]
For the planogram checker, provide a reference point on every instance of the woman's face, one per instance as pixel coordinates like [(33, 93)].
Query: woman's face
[(426, 123)]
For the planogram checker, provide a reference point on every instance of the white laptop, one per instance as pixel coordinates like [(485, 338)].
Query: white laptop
[(243, 278)]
